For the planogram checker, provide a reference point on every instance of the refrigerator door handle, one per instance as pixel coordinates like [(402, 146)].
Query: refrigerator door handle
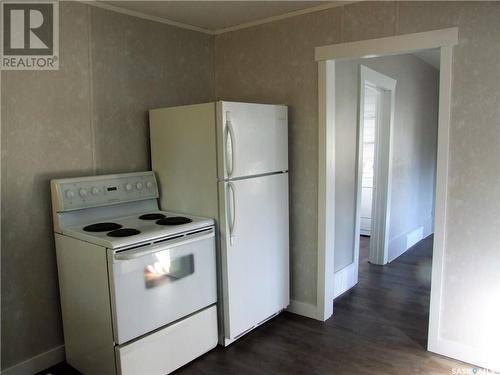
[(229, 149), (232, 218)]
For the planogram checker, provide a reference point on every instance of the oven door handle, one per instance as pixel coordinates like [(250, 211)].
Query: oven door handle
[(154, 248)]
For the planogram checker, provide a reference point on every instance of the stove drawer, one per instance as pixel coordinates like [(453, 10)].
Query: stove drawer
[(156, 285), (170, 348)]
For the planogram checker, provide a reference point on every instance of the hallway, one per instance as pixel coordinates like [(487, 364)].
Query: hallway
[(397, 293)]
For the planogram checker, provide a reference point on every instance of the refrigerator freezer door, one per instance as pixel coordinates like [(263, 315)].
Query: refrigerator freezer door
[(253, 139), (254, 251)]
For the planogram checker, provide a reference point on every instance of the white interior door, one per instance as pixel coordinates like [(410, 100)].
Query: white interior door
[(253, 139), (371, 99), (382, 162), (254, 244)]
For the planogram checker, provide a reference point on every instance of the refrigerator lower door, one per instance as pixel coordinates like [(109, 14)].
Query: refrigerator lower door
[(254, 251)]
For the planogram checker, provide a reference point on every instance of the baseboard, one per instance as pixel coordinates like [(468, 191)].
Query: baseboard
[(400, 244), (476, 357), (345, 279), (303, 308), (38, 363)]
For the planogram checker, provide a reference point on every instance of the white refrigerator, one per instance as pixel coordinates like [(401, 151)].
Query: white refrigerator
[(229, 161)]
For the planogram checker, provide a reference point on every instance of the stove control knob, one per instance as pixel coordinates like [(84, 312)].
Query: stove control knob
[(83, 192), (95, 191), (70, 194), (128, 187), (139, 186), (149, 184)]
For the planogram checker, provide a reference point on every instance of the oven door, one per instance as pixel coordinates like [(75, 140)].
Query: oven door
[(155, 285)]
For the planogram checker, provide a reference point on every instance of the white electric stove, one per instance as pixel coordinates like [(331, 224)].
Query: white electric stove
[(137, 284)]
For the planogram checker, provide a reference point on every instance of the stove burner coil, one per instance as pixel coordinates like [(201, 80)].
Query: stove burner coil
[(174, 220), (152, 216), (102, 227), (125, 232)]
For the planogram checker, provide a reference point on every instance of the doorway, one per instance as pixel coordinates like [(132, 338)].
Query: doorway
[(327, 57)]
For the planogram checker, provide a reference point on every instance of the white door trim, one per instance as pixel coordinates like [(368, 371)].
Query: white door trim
[(399, 44), (445, 40), (326, 189), (382, 170), (435, 343)]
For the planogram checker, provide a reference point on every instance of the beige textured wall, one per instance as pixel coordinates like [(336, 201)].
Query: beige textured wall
[(88, 117), (274, 62), (61, 123), (138, 65), (414, 150)]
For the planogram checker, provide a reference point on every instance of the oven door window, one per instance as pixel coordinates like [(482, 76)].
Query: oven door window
[(165, 270)]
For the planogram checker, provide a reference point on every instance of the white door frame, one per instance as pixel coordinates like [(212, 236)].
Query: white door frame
[(382, 169), (444, 39)]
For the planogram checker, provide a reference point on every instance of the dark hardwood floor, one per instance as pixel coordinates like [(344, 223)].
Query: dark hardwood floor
[(378, 327)]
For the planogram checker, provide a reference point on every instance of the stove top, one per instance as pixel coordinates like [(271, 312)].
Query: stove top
[(120, 232)]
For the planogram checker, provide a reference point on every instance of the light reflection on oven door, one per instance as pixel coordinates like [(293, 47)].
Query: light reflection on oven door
[(166, 270)]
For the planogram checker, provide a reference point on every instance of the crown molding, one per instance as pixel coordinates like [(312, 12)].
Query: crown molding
[(148, 17), (317, 8)]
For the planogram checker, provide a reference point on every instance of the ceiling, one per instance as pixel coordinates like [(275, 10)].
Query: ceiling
[(216, 16)]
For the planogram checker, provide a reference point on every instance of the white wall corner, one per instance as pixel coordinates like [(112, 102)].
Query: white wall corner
[(37, 363), (305, 309)]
